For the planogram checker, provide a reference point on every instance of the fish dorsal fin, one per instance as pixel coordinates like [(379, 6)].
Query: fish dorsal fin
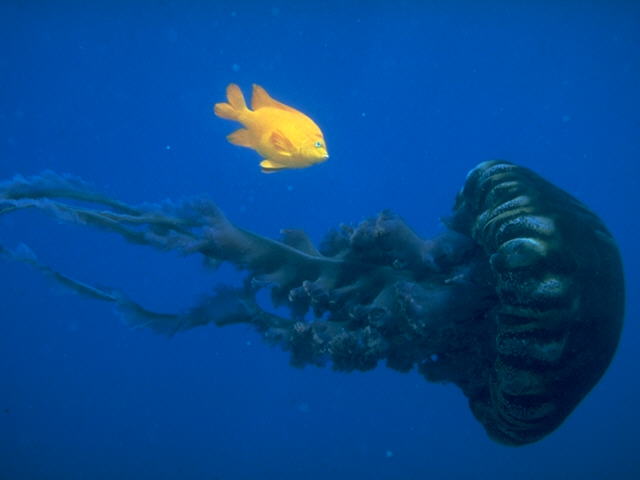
[(281, 143), (261, 99)]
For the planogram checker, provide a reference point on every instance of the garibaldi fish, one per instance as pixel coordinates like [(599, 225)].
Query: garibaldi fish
[(285, 137)]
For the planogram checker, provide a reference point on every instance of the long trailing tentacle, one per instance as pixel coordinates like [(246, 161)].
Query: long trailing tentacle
[(226, 306), (192, 226)]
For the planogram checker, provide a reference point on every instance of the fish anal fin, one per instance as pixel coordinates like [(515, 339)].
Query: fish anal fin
[(261, 99), (281, 143), (241, 137), (269, 166)]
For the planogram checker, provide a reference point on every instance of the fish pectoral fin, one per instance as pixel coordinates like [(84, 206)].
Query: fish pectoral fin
[(281, 143), (240, 137), (269, 166)]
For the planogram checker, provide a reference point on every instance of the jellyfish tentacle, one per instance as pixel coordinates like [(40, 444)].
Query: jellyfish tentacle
[(226, 306), (49, 185)]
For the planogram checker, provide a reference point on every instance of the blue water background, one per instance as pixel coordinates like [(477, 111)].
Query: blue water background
[(410, 96)]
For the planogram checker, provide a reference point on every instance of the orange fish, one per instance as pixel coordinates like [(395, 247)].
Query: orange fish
[(285, 137)]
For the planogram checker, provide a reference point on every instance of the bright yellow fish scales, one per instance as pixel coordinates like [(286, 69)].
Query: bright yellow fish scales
[(285, 137)]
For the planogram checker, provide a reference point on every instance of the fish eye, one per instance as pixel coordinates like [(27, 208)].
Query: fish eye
[(317, 144)]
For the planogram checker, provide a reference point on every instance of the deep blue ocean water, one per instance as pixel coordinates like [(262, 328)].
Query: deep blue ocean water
[(410, 96)]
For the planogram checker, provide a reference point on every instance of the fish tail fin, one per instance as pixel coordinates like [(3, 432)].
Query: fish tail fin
[(235, 105)]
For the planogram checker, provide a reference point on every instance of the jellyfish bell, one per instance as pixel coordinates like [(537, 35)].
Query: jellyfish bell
[(519, 302), (560, 286)]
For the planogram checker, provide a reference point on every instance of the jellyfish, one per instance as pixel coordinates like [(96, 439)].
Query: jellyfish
[(519, 301)]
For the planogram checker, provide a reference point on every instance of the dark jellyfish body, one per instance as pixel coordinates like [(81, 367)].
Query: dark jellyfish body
[(519, 302), (560, 285)]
